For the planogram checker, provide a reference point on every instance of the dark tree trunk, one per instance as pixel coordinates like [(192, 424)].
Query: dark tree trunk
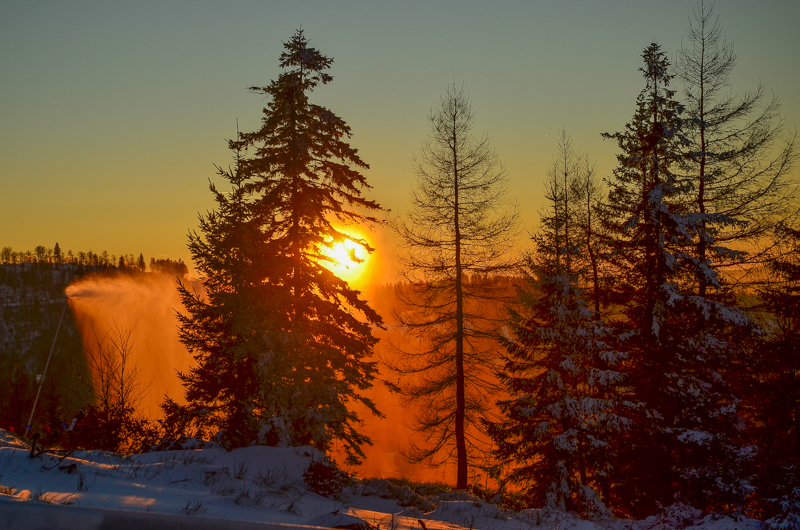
[(461, 443)]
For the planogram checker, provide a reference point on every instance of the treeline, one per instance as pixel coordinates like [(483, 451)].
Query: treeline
[(56, 255), (103, 260)]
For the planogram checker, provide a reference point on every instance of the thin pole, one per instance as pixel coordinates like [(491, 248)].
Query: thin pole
[(41, 379)]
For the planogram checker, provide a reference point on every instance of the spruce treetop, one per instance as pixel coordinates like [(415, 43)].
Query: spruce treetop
[(301, 152)]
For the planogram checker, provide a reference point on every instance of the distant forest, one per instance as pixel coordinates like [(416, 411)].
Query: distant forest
[(55, 255)]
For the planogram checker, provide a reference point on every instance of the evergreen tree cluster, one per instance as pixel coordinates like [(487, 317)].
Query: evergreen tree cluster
[(641, 372), (645, 363)]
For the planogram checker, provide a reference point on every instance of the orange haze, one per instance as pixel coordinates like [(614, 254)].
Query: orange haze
[(147, 303)]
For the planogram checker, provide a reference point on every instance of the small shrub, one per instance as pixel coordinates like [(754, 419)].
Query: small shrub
[(273, 479), (114, 428), (405, 492), (240, 469), (211, 477), (38, 495), (260, 496), (325, 478), (82, 485), (293, 504), (789, 516), (193, 506), (224, 490), (69, 500), (192, 457), (512, 501), (242, 496), (589, 504)]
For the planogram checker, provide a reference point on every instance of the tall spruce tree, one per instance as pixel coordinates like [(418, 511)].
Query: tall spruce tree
[(644, 207), (681, 343), (562, 367), (282, 343)]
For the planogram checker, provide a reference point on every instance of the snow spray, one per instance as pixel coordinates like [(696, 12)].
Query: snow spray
[(145, 305)]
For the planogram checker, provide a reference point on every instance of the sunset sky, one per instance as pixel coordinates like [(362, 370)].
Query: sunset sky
[(112, 114)]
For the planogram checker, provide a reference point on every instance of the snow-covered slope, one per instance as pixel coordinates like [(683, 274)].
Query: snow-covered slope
[(265, 484)]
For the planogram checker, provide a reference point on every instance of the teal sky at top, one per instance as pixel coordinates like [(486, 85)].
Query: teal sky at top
[(112, 114)]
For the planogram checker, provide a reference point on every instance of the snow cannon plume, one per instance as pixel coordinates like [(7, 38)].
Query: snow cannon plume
[(78, 291)]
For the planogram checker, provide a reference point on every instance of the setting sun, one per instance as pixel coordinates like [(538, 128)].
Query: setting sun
[(349, 259)]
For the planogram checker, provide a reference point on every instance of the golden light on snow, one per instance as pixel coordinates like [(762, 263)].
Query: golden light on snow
[(134, 501)]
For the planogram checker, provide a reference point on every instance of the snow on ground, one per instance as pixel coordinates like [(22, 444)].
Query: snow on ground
[(265, 484)]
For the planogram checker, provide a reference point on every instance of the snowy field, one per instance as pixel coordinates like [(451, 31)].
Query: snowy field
[(265, 484)]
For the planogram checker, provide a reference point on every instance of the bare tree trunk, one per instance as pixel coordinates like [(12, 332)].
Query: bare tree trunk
[(701, 188), (461, 444)]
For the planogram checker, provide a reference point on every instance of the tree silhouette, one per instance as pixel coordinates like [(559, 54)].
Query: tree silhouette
[(281, 342), (735, 155), (679, 342), (562, 367), (453, 243)]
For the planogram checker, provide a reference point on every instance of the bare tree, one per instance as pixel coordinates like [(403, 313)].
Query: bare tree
[(737, 154), (117, 391), (561, 182), (116, 381), (455, 246), (590, 194)]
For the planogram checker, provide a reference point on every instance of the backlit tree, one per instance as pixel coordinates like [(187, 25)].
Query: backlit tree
[(454, 244), (737, 157), (282, 343), (562, 366), (681, 344)]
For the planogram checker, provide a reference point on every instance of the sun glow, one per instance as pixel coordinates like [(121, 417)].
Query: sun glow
[(349, 260)]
